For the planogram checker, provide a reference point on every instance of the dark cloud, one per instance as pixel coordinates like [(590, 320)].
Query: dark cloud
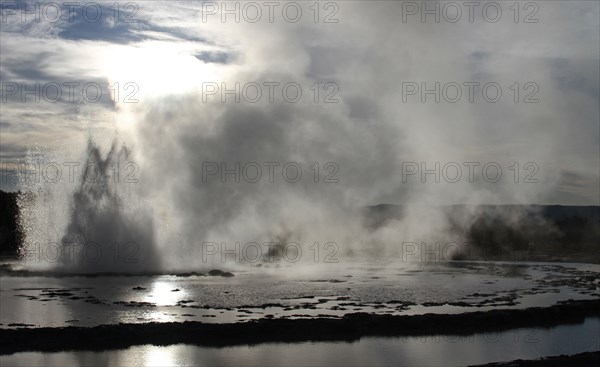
[(214, 57)]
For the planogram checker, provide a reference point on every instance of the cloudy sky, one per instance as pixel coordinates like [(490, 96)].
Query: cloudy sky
[(163, 68)]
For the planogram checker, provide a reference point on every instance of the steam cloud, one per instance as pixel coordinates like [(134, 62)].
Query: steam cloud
[(368, 135)]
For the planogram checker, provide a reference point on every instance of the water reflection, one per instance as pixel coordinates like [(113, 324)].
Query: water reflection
[(412, 351), (164, 294), (161, 357), (429, 288)]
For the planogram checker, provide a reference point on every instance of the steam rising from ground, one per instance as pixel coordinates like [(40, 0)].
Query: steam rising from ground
[(367, 135)]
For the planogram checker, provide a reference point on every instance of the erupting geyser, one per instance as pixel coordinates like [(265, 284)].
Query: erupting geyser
[(104, 229)]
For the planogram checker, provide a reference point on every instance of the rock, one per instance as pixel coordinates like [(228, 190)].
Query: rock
[(221, 273)]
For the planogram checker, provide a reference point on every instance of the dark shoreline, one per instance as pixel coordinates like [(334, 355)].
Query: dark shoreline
[(6, 270), (348, 328), (591, 359)]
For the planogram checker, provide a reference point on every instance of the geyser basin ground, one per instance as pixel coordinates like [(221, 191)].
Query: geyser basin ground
[(345, 313), (256, 293)]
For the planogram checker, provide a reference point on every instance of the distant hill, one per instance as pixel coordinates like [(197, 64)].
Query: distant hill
[(499, 232)]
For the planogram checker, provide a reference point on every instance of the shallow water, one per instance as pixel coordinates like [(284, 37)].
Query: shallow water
[(371, 351), (42, 301)]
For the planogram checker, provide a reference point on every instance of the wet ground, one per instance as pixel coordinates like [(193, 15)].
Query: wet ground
[(33, 300)]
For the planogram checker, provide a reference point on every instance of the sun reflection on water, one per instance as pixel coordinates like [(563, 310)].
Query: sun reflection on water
[(164, 294), (160, 356)]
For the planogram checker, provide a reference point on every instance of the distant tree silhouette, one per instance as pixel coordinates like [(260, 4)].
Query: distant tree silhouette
[(11, 236)]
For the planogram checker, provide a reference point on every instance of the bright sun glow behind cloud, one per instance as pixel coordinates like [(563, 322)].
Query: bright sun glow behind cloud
[(157, 68)]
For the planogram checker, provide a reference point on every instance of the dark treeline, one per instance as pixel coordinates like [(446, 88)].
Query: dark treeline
[(512, 232), (11, 235), (538, 233)]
